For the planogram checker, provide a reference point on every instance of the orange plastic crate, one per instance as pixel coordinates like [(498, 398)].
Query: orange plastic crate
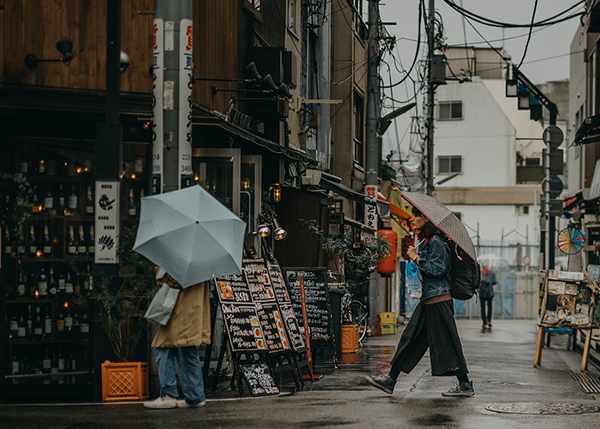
[(349, 338), (124, 381)]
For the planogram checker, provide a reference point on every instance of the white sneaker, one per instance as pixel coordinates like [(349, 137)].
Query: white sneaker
[(182, 404), (161, 403)]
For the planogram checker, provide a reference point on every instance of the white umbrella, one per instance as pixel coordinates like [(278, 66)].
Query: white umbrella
[(191, 235)]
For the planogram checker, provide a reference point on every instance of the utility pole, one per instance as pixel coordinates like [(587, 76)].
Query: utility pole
[(372, 146), (172, 90), (430, 97)]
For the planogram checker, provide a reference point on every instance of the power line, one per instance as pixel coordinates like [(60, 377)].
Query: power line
[(529, 37)]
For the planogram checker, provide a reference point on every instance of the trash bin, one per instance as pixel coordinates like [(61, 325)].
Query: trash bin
[(336, 292)]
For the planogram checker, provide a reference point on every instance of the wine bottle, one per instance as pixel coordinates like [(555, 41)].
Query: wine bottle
[(21, 285), (84, 327), (73, 362), (60, 324), (15, 365), (131, 205), (92, 241), (71, 246), (21, 327), (33, 248), (89, 202), (52, 286), (47, 324), (36, 205), (61, 360), (61, 282), (43, 283), (47, 242), (7, 242), (21, 245), (76, 325), (68, 324), (72, 202), (76, 282), (13, 326), (81, 244), (32, 286), (61, 201), (46, 363), (29, 323), (69, 283), (49, 200), (88, 281), (38, 328)]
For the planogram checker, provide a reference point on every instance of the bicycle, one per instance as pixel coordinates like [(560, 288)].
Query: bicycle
[(355, 312)]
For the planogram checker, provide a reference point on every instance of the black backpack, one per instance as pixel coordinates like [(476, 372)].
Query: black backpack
[(465, 274)]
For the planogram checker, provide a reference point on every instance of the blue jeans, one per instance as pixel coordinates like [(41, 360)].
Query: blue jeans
[(188, 368)]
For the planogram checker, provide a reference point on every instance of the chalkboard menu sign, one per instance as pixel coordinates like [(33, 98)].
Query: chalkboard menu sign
[(285, 305), (317, 299), (233, 288), (259, 379), (244, 328), (258, 280), (272, 324)]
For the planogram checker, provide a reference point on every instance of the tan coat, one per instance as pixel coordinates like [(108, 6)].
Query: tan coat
[(190, 322)]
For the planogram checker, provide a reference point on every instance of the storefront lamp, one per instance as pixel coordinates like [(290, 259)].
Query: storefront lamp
[(512, 88), (264, 230), (64, 46), (279, 233), (524, 99), (275, 191)]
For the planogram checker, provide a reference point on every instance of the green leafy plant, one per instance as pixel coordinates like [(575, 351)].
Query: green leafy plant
[(353, 263), (122, 300)]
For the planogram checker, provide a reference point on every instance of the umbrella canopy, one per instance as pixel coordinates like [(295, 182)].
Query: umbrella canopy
[(191, 235), (443, 218)]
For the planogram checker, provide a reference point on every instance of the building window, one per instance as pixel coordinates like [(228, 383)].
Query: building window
[(359, 129), (450, 110), (449, 164)]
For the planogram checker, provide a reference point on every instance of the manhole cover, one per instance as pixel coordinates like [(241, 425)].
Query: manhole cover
[(538, 408)]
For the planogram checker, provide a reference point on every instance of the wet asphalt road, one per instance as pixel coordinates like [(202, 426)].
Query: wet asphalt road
[(500, 363)]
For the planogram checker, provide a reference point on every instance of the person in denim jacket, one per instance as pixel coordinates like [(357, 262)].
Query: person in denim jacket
[(432, 324)]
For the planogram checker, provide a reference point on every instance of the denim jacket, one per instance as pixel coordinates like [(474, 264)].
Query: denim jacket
[(434, 266)]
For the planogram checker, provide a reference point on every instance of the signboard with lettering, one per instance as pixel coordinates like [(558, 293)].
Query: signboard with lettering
[(106, 222), (285, 305), (259, 379), (317, 300), (158, 60), (186, 64), (258, 279), (243, 327)]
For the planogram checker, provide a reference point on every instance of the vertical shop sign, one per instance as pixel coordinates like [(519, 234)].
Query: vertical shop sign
[(106, 222), (186, 65), (158, 60), (371, 206)]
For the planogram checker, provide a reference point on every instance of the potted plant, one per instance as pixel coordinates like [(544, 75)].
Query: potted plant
[(120, 305)]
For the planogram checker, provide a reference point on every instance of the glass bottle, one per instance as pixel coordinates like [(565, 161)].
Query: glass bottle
[(33, 248), (15, 365), (52, 286), (36, 205), (47, 242), (43, 283), (92, 241), (131, 205), (76, 325), (72, 202), (29, 323), (61, 282), (71, 245), (32, 286), (41, 166), (69, 283), (60, 324), (21, 284), (49, 200), (46, 363), (47, 324), (13, 326), (61, 201), (81, 244), (38, 328), (84, 327), (61, 360), (21, 327), (68, 323), (89, 202)]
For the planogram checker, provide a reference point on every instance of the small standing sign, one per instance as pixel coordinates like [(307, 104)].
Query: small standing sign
[(106, 222)]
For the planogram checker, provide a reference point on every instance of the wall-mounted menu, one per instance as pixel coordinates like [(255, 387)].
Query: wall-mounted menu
[(233, 288), (259, 379), (317, 299), (285, 305), (243, 327), (258, 280)]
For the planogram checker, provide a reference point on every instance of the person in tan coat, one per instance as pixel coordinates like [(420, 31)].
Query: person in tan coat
[(176, 346)]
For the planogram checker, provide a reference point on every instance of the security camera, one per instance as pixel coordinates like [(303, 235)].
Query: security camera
[(123, 62)]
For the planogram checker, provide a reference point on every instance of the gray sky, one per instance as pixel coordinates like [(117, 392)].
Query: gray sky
[(547, 55)]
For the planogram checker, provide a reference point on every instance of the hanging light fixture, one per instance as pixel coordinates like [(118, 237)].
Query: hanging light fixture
[(275, 191), (279, 233), (263, 228)]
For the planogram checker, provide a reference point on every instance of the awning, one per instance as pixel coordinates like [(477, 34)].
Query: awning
[(588, 132), (341, 189), (357, 224)]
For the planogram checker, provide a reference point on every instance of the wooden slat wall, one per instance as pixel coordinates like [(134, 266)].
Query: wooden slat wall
[(215, 49), (34, 27)]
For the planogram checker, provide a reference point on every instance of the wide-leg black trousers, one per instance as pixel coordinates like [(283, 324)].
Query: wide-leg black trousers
[(431, 326)]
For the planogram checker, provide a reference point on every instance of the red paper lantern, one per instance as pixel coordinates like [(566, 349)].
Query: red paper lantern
[(388, 264)]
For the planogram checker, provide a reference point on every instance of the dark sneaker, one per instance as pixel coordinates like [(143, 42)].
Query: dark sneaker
[(464, 389), (385, 383)]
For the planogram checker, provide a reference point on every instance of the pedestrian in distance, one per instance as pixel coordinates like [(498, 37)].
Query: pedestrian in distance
[(486, 296), (432, 324), (176, 346)]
